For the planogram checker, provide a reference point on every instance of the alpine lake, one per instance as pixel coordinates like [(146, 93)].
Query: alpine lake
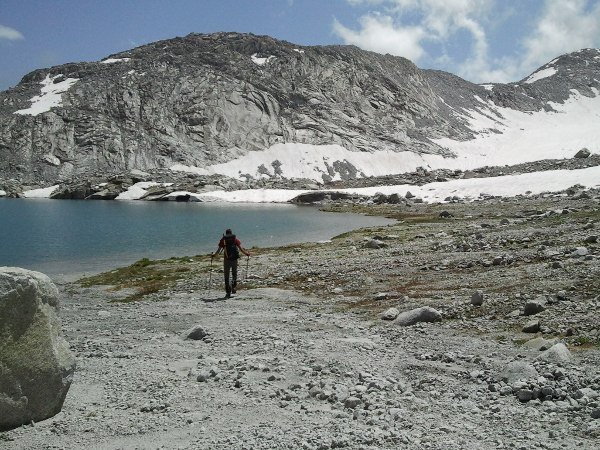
[(69, 238)]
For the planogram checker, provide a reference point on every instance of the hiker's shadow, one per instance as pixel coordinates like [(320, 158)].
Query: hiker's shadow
[(213, 299)]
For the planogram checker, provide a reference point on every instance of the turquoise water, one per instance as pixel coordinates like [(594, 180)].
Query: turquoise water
[(67, 237)]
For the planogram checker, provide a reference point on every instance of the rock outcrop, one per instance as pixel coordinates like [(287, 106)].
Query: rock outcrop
[(36, 365)]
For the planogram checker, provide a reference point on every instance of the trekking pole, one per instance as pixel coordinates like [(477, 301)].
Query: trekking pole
[(247, 264), (210, 275)]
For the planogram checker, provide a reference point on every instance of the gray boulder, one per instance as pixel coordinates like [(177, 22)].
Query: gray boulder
[(532, 327), (423, 314), (196, 334), (583, 153), (477, 298), (557, 354), (539, 343), (36, 365), (518, 371), (534, 306), (375, 244)]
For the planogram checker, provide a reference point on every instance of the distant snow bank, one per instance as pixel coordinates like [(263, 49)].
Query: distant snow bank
[(49, 97), (541, 74), (41, 193), (138, 190), (470, 189), (260, 61), (114, 60)]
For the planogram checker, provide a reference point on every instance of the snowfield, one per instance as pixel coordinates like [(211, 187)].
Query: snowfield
[(513, 137), (49, 97)]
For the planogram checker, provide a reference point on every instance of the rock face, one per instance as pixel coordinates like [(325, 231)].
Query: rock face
[(202, 100), (36, 365)]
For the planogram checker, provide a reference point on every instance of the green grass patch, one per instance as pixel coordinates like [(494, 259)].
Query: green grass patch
[(146, 276)]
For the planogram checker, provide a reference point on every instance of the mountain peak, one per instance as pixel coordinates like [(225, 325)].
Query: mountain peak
[(212, 102)]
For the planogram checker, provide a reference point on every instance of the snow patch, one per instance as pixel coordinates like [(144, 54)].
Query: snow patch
[(470, 189), (525, 136), (487, 87), (298, 50), (114, 60), (190, 169), (2, 193), (540, 74), (41, 193), (260, 61), (50, 96), (138, 190)]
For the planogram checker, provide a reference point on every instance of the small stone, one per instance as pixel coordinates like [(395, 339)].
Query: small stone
[(446, 215), (534, 306), (315, 391), (524, 395), (580, 251), (196, 334), (203, 377), (506, 390), (583, 153), (477, 298), (596, 413), (532, 327), (375, 244), (390, 314), (352, 402), (591, 240)]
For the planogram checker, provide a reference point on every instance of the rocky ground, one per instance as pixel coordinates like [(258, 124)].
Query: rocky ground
[(301, 357)]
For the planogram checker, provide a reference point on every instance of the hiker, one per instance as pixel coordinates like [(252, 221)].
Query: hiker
[(231, 247)]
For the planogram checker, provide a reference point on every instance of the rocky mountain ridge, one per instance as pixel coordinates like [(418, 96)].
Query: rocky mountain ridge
[(201, 102)]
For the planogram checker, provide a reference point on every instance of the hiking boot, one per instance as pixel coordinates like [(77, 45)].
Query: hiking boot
[(233, 291), (228, 295)]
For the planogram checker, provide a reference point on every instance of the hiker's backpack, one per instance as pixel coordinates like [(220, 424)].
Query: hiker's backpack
[(231, 250)]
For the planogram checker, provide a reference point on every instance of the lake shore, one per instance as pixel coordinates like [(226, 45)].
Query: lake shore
[(300, 357)]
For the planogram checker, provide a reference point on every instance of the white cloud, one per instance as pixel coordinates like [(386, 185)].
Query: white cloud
[(378, 33), (10, 33), (438, 22), (565, 26), (441, 26)]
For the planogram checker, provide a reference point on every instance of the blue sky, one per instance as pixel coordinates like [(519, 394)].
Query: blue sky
[(480, 40)]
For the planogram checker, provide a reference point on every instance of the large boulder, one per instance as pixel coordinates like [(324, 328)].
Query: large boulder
[(518, 371), (557, 354), (36, 365), (423, 314)]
